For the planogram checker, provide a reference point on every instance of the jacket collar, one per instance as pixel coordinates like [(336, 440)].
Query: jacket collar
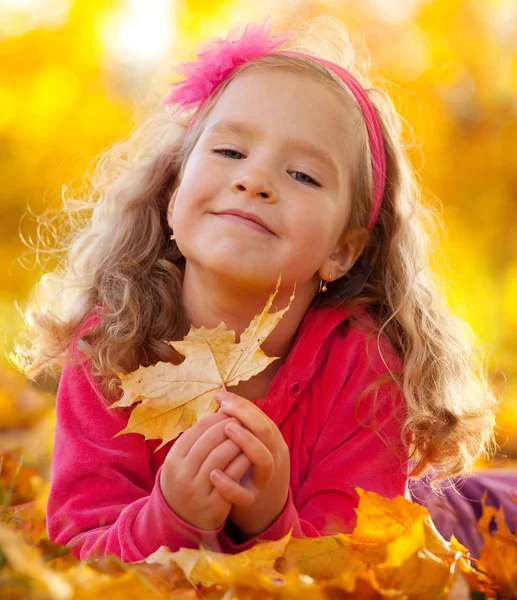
[(308, 352)]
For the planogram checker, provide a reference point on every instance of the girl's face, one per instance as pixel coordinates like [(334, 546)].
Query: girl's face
[(279, 146)]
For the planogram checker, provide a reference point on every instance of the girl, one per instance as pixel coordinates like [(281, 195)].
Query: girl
[(275, 160)]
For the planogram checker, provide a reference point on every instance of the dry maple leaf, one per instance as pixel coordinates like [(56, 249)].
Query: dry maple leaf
[(331, 558), (173, 397), (399, 524), (252, 567), (498, 558)]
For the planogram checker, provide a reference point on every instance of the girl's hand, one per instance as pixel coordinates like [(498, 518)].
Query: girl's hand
[(185, 476), (259, 498)]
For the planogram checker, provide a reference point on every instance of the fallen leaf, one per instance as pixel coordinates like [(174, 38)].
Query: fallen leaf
[(18, 484), (388, 529), (250, 567), (326, 557), (173, 397), (28, 519), (407, 554), (498, 557), (422, 575), (26, 560)]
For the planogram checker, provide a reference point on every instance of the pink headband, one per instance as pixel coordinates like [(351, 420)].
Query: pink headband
[(218, 58)]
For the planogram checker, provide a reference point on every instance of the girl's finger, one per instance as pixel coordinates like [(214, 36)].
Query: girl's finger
[(204, 445), (259, 456), (219, 458), (185, 441), (238, 467), (231, 490), (250, 416)]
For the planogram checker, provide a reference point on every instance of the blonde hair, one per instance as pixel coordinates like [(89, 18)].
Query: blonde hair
[(118, 263)]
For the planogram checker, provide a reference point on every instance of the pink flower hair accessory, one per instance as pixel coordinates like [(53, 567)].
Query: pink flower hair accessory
[(218, 58)]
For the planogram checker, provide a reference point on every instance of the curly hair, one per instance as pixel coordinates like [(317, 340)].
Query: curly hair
[(118, 263)]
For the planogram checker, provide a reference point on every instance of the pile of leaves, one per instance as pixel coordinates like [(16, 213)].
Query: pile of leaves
[(394, 551)]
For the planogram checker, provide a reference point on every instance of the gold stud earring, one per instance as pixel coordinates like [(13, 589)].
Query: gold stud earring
[(171, 237), (323, 286)]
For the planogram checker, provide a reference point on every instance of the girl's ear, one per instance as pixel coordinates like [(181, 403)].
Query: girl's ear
[(344, 256), (171, 206)]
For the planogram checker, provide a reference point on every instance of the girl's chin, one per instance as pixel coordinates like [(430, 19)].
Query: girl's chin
[(240, 272), (236, 255)]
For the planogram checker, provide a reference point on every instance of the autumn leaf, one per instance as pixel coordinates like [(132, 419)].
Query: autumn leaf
[(171, 398), (18, 483), (206, 568), (26, 560), (326, 557), (398, 525), (422, 575), (498, 557)]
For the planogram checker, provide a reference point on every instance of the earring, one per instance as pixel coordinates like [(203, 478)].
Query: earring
[(323, 286), (171, 237)]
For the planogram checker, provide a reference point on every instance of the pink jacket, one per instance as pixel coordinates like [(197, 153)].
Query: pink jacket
[(105, 496)]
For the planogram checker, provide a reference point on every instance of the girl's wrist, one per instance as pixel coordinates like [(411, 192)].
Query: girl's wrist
[(257, 527)]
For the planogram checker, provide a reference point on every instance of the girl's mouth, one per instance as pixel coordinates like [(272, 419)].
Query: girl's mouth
[(243, 221)]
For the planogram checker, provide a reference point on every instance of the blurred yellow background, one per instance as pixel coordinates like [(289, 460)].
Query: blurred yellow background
[(73, 74)]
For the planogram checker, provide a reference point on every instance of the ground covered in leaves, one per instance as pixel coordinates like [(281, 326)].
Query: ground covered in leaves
[(394, 552)]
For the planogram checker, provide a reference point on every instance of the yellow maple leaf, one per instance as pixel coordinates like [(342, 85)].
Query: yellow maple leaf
[(326, 557), (253, 567), (173, 397), (385, 520), (422, 575)]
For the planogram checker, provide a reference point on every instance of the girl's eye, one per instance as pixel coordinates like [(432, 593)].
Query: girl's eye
[(308, 181), (311, 180), (223, 150)]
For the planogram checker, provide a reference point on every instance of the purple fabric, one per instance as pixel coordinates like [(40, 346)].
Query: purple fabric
[(457, 512)]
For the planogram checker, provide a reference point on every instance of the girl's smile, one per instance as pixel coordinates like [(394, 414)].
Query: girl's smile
[(244, 220)]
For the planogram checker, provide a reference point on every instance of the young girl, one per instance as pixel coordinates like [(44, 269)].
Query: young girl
[(275, 160)]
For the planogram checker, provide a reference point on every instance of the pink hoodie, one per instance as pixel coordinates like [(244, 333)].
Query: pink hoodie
[(105, 496)]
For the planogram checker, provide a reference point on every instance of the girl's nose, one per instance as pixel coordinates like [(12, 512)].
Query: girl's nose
[(253, 187)]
